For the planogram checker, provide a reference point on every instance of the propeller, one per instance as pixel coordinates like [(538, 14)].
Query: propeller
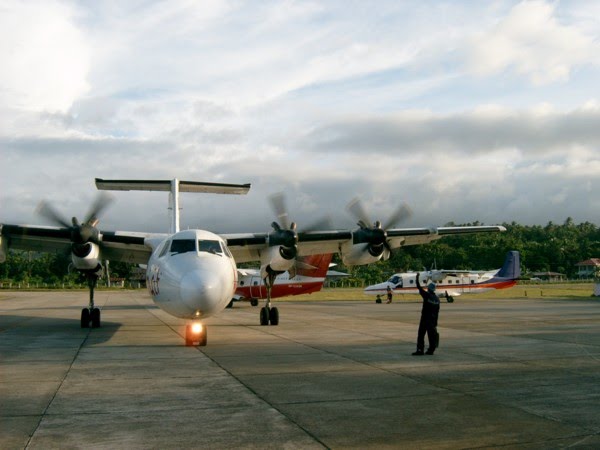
[(285, 233), (375, 235), (81, 233)]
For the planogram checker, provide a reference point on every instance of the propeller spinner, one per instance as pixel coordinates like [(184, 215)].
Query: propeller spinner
[(375, 235)]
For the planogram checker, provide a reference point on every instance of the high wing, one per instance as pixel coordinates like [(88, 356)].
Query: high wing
[(131, 247), (136, 247), (250, 246), (247, 247)]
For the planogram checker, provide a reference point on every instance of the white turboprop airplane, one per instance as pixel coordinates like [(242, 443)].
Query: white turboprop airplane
[(452, 283), (192, 274)]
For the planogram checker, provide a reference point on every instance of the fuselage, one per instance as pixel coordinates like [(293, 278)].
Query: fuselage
[(309, 277), (192, 274), (253, 286)]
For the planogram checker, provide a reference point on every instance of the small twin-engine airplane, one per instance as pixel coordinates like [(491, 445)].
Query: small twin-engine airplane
[(192, 274), (452, 283), (310, 275)]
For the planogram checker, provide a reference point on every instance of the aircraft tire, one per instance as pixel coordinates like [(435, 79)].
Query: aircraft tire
[(230, 304), (95, 318), (254, 302), (450, 299), (85, 318), (274, 316), (264, 315)]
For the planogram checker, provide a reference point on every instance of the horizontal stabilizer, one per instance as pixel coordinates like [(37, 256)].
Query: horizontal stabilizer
[(165, 185)]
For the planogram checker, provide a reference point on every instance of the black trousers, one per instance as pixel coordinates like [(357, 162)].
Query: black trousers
[(429, 326)]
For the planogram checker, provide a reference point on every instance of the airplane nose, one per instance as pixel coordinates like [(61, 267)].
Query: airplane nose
[(200, 291)]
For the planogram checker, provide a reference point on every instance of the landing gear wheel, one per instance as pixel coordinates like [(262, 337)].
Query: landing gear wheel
[(264, 315), (450, 299), (274, 316), (95, 317), (254, 302), (85, 318), (230, 304)]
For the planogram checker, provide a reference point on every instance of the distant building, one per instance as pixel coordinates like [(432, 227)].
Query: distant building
[(549, 276), (588, 268)]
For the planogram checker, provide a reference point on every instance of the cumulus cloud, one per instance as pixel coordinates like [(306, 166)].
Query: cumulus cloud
[(324, 101), (45, 57), (531, 41)]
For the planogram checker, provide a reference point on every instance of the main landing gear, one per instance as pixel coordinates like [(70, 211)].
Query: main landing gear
[(90, 316), (269, 315)]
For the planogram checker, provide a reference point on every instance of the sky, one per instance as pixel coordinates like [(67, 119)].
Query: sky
[(466, 111)]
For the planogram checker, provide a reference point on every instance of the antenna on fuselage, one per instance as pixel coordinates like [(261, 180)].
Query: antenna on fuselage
[(174, 187)]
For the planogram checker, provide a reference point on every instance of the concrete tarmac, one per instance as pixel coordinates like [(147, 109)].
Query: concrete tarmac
[(512, 373)]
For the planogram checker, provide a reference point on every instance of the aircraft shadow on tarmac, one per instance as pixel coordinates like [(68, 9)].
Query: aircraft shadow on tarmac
[(25, 332)]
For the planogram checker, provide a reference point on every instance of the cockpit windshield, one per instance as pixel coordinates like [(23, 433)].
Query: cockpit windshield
[(183, 246), (209, 246), (395, 279)]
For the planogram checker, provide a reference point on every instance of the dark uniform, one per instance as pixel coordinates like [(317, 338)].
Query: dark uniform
[(429, 320)]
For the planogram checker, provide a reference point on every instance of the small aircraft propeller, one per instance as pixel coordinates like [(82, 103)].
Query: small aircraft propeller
[(81, 233), (285, 233), (375, 235)]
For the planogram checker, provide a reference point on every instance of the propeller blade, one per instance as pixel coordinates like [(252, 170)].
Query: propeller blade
[(402, 213), (47, 211), (356, 209), (100, 204), (278, 204)]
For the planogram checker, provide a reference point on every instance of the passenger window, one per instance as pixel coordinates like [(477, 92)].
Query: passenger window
[(210, 247), (183, 246)]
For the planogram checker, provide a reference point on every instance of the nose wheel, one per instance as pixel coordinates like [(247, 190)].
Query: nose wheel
[(196, 334)]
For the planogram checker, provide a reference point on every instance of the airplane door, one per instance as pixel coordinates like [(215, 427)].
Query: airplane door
[(464, 281), (255, 287)]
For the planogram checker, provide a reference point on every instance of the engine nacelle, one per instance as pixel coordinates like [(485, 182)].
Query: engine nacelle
[(436, 276), (86, 256), (275, 260), (359, 255)]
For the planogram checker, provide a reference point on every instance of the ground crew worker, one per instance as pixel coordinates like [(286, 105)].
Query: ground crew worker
[(389, 295), (429, 319)]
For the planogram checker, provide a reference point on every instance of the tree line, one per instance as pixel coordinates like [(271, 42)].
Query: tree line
[(549, 248), (553, 248)]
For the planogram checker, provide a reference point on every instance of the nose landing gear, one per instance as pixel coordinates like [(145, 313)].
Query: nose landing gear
[(196, 334)]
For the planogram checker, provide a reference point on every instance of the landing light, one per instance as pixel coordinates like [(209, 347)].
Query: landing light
[(197, 328)]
